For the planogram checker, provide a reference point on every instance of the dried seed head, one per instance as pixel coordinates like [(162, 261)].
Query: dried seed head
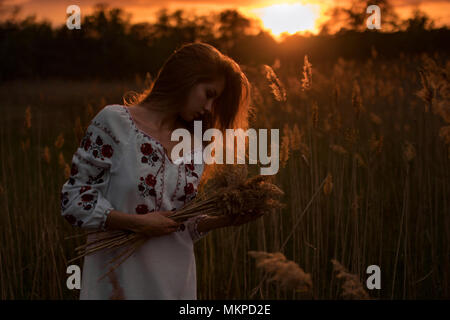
[(275, 84), (307, 74), (359, 160), (66, 171), (25, 145), (409, 152), (61, 160), (444, 134), (338, 149), (28, 117), (376, 145), (328, 186), (285, 272), (352, 288), (284, 152), (375, 119), (46, 155), (357, 99), (59, 141)]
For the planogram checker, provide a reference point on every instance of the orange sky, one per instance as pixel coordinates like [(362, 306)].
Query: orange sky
[(141, 10)]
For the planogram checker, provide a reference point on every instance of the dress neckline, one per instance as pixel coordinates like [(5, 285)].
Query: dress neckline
[(147, 135)]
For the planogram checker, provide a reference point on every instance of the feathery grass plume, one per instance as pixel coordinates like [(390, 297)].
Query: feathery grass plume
[(357, 99), (295, 138), (284, 151), (375, 119), (307, 74), (352, 289), (283, 271), (444, 134), (59, 141), (338, 149), (335, 98), (117, 291), (78, 129), (46, 155), (90, 113), (66, 171), (328, 186), (27, 122), (275, 84), (359, 160), (296, 143), (426, 93), (61, 160), (376, 144), (315, 114), (351, 135), (409, 152), (326, 124), (25, 145)]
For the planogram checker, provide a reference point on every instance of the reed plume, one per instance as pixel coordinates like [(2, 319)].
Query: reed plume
[(287, 273)]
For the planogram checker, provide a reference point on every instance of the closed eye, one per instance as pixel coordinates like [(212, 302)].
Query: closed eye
[(210, 94)]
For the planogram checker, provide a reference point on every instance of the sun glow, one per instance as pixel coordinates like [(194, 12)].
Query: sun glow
[(290, 18)]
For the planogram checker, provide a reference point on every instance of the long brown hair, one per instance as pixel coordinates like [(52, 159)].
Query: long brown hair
[(195, 63)]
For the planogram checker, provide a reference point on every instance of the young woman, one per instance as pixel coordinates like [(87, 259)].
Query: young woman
[(123, 177)]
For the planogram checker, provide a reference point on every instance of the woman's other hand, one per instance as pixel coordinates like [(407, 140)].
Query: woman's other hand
[(155, 224)]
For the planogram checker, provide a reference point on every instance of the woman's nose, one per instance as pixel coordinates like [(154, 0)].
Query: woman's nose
[(208, 106)]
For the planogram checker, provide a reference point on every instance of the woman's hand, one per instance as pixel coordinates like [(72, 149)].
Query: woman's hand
[(155, 224)]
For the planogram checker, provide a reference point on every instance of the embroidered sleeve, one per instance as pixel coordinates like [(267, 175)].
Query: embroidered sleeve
[(192, 226), (83, 202)]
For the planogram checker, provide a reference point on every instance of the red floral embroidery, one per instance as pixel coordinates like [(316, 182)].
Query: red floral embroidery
[(107, 151), (147, 186), (189, 193), (190, 170), (149, 154), (189, 188), (150, 180), (143, 209), (84, 189), (73, 170), (98, 148), (72, 220), (97, 179), (146, 149), (88, 201)]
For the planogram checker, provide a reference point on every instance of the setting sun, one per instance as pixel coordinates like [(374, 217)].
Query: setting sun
[(290, 18)]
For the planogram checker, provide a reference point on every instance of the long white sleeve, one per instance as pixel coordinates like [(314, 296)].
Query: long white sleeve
[(83, 203)]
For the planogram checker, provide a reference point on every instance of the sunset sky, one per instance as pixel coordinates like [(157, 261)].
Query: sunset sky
[(277, 16)]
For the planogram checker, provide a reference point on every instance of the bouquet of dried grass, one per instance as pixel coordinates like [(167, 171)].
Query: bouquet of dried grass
[(228, 192)]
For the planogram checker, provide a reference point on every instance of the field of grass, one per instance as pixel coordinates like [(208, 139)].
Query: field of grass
[(365, 168)]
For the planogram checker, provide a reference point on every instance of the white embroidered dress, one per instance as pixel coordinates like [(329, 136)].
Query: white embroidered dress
[(117, 166)]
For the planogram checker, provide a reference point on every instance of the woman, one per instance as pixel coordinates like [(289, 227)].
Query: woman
[(122, 175)]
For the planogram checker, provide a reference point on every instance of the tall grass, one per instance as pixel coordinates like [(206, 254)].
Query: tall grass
[(365, 171)]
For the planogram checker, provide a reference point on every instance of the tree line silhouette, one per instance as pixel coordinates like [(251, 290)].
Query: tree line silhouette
[(109, 46)]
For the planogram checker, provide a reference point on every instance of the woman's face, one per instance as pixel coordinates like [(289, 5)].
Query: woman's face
[(201, 98)]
